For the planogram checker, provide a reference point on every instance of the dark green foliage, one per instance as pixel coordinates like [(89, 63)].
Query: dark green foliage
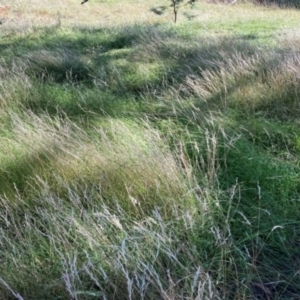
[(159, 10)]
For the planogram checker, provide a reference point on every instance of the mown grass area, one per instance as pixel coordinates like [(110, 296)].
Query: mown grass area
[(146, 160)]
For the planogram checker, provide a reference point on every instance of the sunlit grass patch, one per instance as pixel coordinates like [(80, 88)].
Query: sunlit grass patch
[(124, 161), (115, 188)]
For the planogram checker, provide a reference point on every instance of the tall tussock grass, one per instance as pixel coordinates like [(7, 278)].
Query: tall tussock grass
[(124, 161), (149, 163), (98, 214), (14, 85), (97, 252), (61, 64), (253, 84), (228, 74)]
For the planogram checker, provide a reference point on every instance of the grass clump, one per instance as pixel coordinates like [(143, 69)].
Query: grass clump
[(59, 65)]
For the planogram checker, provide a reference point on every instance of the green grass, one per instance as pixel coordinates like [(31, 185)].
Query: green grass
[(145, 160)]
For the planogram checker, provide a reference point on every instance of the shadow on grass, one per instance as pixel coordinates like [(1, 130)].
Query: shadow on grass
[(123, 62), (87, 65), (18, 175)]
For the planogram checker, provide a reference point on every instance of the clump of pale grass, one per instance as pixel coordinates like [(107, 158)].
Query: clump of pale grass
[(250, 80), (109, 215), (15, 85), (79, 251), (223, 73), (126, 161)]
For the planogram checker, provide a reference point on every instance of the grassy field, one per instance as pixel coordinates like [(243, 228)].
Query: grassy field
[(142, 159)]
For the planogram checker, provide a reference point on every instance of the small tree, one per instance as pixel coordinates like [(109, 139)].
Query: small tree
[(175, 5)]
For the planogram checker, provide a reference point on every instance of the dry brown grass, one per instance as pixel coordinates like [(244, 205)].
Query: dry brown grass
[(27, 14), (39, 13)]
